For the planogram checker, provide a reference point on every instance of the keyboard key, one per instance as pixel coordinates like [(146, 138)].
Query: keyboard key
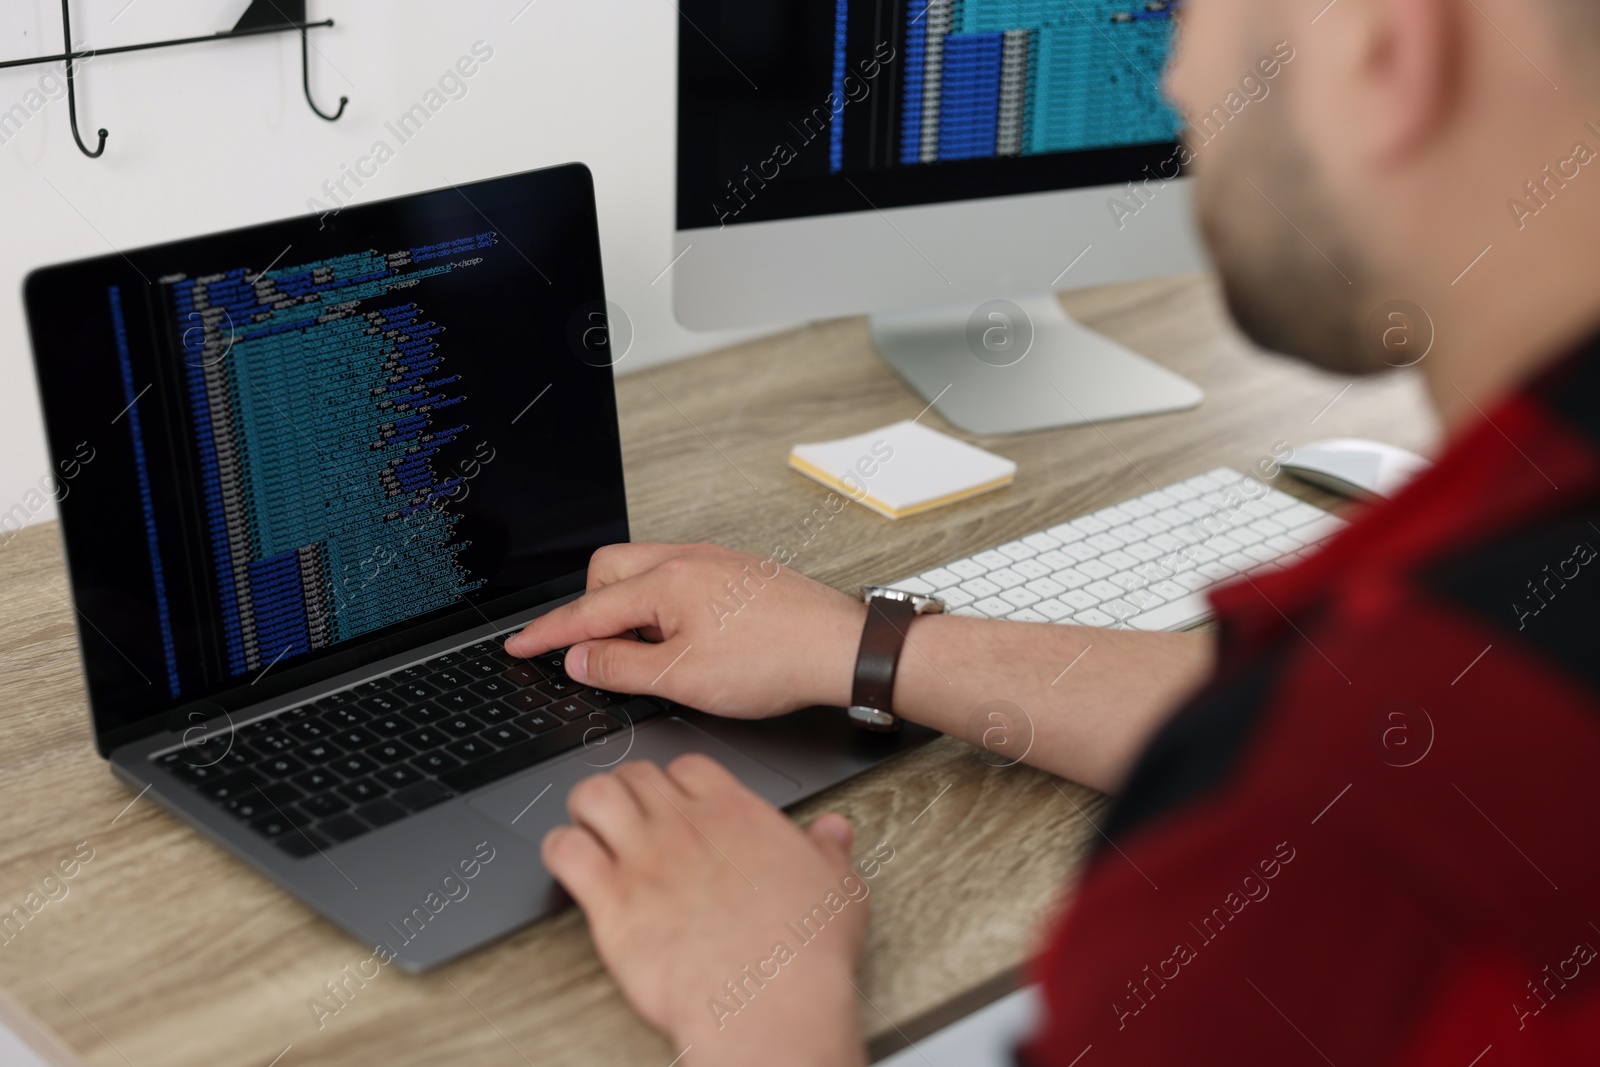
[(1052, 609), (979, 587), (481, 668), (493, 687), (276, 741), (1020, 597), (1066, 533), (462, 699), (324, 804), (380, 812), (556, 688), (343, 718), (994, 607), (1095, 569), (399, 776), (229, 786), (1094, 617), (316, 780), (336, 700), (966, 568), (354, 739), (362, 790), (435, 762), (313, 729), (279, 822), (426, 738), (956, 597), (387, 752), (1261, 553), (280, 766), (1017, 550), (1246, 536), (569, 709), (451, 679), (354, 765), (1193, 581), (371, 688), (1115, 515), (1169, 590), (1103, 590), (1006, 578), (537, 722), (460, 725), (1030, 568), (1127, 580), (425, 713), (468, 749), (1081, 551), (941, 577), (992, 560), (1119, 560), (1045, 587), (343, 827), (414, 673), (600, 698), (494, 714), (1027, 615), (523, 674), (1143, 551), (382, 703), (426, 794), (318, 752), (1127, 533), (1079, 600), (1104, 542), (527, 700), (505, 734), (1142, 599), (1072, 577), (1089, 524), (554, 664), (390, 725), (1056, 560), (248, 806), (1239, 562), (414, 691), (1041, 542)]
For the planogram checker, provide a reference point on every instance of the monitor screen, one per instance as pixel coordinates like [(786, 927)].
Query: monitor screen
[(789, 108), (295, 445)]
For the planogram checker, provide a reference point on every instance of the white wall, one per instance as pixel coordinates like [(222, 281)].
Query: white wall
[(216, 135)]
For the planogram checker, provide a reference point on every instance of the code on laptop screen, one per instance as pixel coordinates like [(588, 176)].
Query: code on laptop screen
[(316, 433)]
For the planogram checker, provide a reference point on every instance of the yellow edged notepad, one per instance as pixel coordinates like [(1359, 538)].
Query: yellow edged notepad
[(903, 469)]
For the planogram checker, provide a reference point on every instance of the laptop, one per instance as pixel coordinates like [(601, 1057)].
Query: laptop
[(319, 468)]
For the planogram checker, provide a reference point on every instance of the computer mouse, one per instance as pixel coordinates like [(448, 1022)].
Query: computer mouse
[(1353, 467)]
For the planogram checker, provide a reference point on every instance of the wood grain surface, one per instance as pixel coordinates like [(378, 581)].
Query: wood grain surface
[(166, 952)]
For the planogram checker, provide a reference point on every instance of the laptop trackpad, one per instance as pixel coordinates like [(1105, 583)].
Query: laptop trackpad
[(536, 800)]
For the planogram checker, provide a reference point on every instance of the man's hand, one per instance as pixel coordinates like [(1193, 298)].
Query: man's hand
[(727, 632), (728, 928)]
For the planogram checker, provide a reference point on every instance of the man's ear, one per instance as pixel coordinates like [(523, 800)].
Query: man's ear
[(1403, 61)]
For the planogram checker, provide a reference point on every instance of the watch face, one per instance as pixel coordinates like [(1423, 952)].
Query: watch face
[(923, 603)]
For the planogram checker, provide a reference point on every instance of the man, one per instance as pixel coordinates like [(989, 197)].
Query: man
[(1358, 826)]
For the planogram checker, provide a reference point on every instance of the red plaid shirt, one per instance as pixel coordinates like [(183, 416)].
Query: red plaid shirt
[(1374, 837)]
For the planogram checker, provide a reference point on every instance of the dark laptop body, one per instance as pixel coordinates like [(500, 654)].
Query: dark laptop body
[(319, 467)]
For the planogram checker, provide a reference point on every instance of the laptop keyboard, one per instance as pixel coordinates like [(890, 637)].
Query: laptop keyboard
[(323, 773)]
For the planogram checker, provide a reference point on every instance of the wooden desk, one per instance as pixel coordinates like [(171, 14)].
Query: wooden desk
[(167, 952)]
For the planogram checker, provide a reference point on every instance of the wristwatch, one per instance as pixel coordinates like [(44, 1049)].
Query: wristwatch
[(889, 615)]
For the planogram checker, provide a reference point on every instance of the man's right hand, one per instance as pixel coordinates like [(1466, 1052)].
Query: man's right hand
[(726, 632)]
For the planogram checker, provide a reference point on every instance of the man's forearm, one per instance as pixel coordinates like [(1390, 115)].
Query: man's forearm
[(1091, 697)]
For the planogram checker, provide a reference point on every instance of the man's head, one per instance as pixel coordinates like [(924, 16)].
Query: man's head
[(1383, 161)]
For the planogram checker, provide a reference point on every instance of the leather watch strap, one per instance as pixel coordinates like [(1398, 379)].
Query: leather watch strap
[(882, 637)]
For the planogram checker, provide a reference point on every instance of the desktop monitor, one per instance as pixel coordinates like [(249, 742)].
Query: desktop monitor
[(942, 165)]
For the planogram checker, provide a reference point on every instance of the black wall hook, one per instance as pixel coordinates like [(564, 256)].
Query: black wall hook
[(262, 16), (72, 92)]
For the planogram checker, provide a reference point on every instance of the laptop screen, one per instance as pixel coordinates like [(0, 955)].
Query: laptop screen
[(303, 446)]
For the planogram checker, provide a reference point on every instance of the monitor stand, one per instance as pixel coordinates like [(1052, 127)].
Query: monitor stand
[(1015, 366)]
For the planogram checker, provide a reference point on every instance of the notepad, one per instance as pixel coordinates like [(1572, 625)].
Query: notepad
[(903, 469)]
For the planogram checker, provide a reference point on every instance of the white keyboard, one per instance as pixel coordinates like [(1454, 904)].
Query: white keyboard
[(1143, 564)]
